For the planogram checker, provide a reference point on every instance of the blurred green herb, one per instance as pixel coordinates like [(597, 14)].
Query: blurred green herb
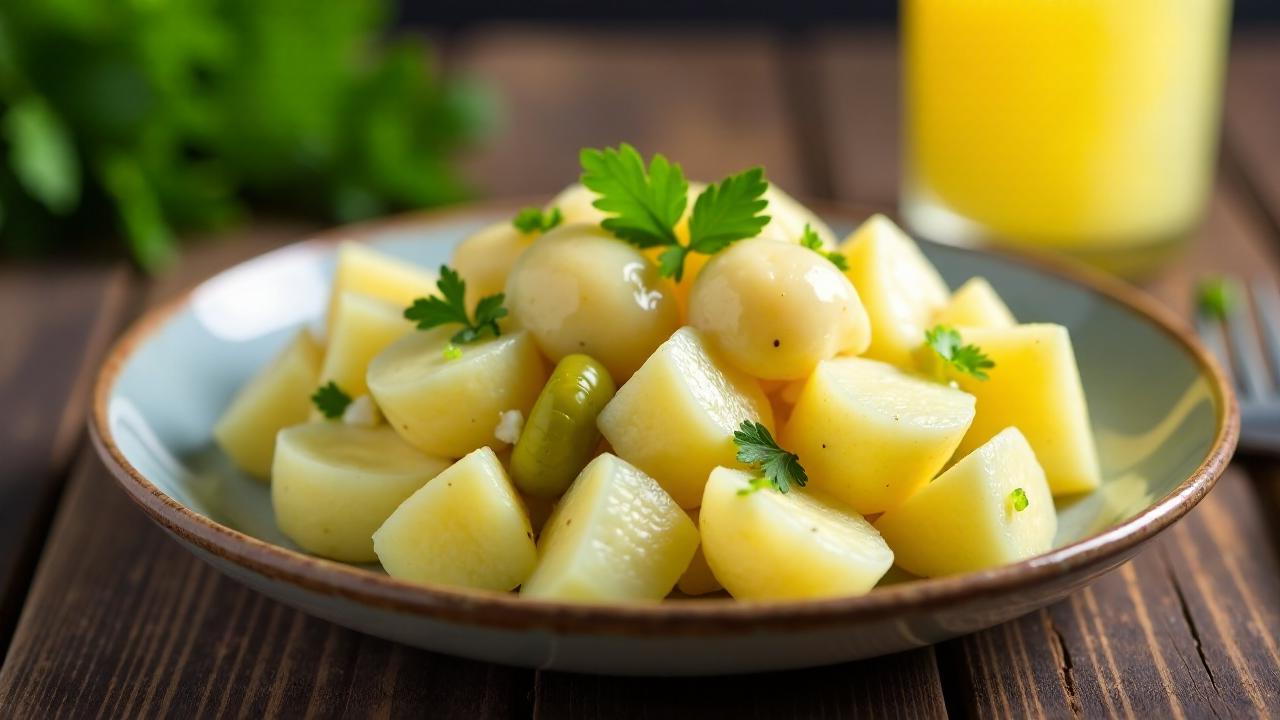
[(1217, 295), (152, 117)]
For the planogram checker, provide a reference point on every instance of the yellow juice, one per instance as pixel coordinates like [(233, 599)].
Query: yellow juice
[(1082, 125)]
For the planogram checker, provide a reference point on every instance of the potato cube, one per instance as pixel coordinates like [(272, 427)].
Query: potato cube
[(615, 535), (277, 397), (360, 328), (968, 518), (449, 406), (870, 434), (467, 527), (365, 270), (333, 484), (898, 286), (976, 304), (1035, 386), (766, 545), (698, 578), (675, 418)]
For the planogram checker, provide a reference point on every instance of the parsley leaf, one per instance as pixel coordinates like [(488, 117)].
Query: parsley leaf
[(645, 204), (757, 448), (451, 307), (1217, 296), (811, 240), (330, 400), (969, 359), (532, 219), (728, 211), (1018, 499)]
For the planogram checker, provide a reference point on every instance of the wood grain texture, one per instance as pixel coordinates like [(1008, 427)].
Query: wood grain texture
[(1252, 117)]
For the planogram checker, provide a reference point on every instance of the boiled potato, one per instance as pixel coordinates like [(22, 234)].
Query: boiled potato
[(698, 578), (975, 304), (449, 407), (580, 290), (787, 219), (898, 286), (614, 536), (575, 205), (333, 484), (766, 545), (277, 397), (870, 434), (467, 527), (365, 270), (968, 519), (776, 309), (484, 259), (675, 418), (1035, 386), (360, 328)]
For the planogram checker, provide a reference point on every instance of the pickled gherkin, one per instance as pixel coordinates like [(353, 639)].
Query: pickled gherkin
[(560, 437)]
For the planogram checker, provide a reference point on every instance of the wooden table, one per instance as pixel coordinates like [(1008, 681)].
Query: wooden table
[(103, 615)]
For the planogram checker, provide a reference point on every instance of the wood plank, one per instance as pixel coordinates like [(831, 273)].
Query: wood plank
[(56, 323), (1252, 117)]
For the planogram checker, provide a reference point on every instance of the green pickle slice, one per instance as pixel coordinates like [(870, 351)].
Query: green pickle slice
[(560, 437)]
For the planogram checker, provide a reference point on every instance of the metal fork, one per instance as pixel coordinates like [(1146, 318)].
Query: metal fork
[(1250, 346)]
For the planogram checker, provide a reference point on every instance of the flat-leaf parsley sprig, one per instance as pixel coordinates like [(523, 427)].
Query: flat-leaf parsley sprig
[(757, 448), (968, 359), (330, 400), (532, 219), (451, 307), (646, 204), (811, 240)]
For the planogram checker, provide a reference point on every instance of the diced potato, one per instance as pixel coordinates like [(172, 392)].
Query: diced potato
[(277, 397), (976, 304), (449, 407), (1035, 386), (698, 578), (776, 309), (766, 545), (365, 270), (967, 518), (869, 434), (580, 290), (616, 535), (675, 418), (333, 484), (467, 527), (484, 259), (898, 286), (787, 218), (360, 328)]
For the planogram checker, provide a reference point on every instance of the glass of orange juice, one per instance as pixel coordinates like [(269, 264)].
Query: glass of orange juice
[(1084, 126)]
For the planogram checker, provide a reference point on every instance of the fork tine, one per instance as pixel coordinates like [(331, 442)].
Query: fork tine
[(1246, 349), (1210, 331), (1266, 305)]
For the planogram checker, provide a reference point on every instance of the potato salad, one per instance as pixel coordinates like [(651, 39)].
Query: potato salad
[(653, 388)]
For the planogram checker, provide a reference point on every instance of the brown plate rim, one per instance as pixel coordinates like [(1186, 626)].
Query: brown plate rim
[(702, 616)]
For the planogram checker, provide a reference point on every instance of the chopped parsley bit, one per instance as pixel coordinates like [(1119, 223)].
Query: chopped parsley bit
[(451, 307), (646, 205), (754, 484), (452, 352), (532, 219), (1018, 499), (811, 240), (757, 448), (1217, 296), (330, 400), (970, 359)]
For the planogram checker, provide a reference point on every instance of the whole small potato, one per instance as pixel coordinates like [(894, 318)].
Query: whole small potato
[(484, 258), (580, 290), (776, 309)]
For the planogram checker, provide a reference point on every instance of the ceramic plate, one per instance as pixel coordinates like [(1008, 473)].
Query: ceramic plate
[(1165, 422)]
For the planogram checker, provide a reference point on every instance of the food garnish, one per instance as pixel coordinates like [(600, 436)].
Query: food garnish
[(451, 307), (532, 219), (1217, 296), (811, 240), (330, 400), (757, 448), (969, 359), (1018, 499)]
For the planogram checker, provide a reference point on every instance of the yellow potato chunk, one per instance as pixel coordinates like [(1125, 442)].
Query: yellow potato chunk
[(898, 286), (575, 204), (698, 578), (450, 406), (776, 309), (675, 418), (580, 290), (467, 527), (614, 536), (277, 397), (1035, 386), (360, 328), (766, 545), (333, 484), (869, 434), (365, 270), (484, 259), (787, 218), (976, 304), (968, 519)]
